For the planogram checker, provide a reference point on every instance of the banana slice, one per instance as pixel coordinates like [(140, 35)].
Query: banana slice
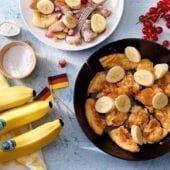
[(104, 104), (45, 6), (133, 54), (97, 1), (43, 21), (159, 101), (123, 103), (144, 77), (98, 23), (137, 134), (115, 74), (160, 70), (69, 21), (74, 4)]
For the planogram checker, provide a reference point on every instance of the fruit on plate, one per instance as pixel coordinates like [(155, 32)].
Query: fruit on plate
[(74, 4), (69, 21), (98, 23), (132, 54), (60, 35), (57, 26), (160, 100), (160, 70), (97, 1), (15, 96), (104, 104), (144, 78), (115, 74), (31, 141), (3, 82), (23, 115), (95, 122), (45, 6), (42, 20), (137, 134), (123, 103)]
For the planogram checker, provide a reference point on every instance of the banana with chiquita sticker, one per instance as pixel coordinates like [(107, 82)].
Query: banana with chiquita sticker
[(133, 54), (15, 96), (74, 4), (98, 23), (159, 100), (144, 78), (104, 104), (115, 74), (69, 21), (137, 134), (123, 103), (45, 6), (31, 141), (160, 70), (23, 115)]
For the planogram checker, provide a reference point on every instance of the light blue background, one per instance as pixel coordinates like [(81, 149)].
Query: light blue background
[(72, 150)]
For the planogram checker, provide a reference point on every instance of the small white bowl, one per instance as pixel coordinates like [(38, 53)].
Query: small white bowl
[(5, 48)]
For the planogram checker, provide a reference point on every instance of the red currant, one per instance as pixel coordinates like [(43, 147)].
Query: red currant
[(167, 17), (148, 24), (159, 30), (84, 1), (168, 24), (144, 30), (62, 62), (141, 18), (165, 43), (153, 10)]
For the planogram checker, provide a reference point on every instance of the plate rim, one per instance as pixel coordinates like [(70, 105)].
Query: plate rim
[(79, 47)]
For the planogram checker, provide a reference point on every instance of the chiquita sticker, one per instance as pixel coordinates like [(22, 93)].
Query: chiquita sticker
[(8, 145), (2, 124)]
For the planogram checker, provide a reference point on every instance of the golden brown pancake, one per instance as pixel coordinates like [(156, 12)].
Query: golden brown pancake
[(117, 59), (145, 64), (95, 122), (123, 139)]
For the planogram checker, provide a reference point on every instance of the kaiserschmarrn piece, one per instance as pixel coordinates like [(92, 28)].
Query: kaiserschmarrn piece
[(153, 132), (116, 118), (95, 122), (163, 116), (139, 116), (123, 139), (145, 64), (117, 59)]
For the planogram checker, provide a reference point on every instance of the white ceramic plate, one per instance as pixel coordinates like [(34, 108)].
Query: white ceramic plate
[(116, 6)]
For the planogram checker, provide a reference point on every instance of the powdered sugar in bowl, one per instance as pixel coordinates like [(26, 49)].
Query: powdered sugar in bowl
[(17, 60)]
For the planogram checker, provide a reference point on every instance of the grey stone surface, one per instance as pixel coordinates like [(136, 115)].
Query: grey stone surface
[(72, 150)]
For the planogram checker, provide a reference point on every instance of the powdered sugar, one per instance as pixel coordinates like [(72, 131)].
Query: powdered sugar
[(18, 61)]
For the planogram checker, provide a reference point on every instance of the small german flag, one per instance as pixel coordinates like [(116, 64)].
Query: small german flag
[(58, 81), (45, 94)]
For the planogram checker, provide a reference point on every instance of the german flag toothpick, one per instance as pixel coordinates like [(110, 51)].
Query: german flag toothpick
[(45, 94), (58, 81)]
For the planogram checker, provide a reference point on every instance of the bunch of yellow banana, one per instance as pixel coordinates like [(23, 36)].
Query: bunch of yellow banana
[(30, 141), (11, 97), (18, 109)]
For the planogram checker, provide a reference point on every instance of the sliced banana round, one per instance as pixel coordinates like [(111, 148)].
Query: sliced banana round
[(97, 1), (115, 74), (45, 6), (104, 104), (160, 70), (137, 134), (123, 103), (133, 54), (69, 21), (74, 4), (98, 23), (160, 100), (144, 78)]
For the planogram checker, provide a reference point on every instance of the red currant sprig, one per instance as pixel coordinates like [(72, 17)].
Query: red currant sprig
[(150, 29)]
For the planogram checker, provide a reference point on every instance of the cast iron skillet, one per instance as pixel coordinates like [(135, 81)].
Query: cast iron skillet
[(157, 54)]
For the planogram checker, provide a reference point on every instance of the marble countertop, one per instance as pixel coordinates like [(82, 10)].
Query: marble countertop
[(72, 150)]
